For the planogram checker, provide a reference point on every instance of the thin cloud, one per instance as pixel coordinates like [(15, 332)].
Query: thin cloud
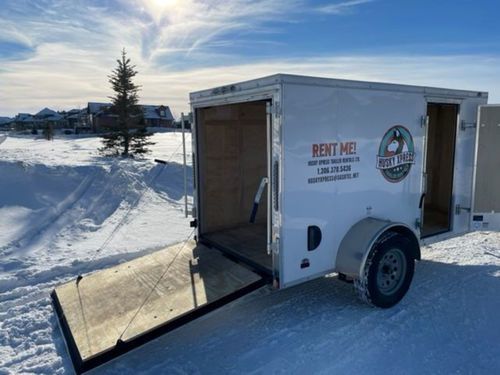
[(193, 25), (342, 7), (150, 29), (36, 84), (416, 70)]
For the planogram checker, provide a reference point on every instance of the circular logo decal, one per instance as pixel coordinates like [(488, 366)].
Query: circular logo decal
[(396, 154)]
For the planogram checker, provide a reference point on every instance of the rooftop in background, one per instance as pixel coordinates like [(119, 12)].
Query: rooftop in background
[(94, 107), (24, 117), (5, 120), (152, 112), (48, 114), (157, 112)]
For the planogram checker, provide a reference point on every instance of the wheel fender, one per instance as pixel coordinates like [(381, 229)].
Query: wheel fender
[(359, 240)]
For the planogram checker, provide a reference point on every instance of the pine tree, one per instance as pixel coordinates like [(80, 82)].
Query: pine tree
[(48, 132), (128, 134)]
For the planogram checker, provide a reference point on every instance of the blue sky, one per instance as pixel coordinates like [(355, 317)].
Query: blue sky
[(58, 53)]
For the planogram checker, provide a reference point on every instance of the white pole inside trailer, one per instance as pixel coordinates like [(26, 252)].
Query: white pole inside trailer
[(184, 163)]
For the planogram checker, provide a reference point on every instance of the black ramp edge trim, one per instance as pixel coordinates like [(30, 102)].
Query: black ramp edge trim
[(126, 346), (76, 359), (238, 258)]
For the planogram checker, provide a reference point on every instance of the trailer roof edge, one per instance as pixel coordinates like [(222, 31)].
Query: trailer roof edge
[(266, 81)]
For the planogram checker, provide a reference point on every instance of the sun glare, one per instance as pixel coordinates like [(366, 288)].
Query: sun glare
[(164, 3), (159, 8)]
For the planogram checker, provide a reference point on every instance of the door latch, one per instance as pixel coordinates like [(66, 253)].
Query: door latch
[(459, 209), (467, 125)]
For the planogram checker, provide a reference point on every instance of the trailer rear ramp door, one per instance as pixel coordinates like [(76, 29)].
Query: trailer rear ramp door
[(112, 311)]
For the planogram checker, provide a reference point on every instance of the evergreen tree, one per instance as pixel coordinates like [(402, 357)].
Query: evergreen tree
[(48, 132), (128, 134)]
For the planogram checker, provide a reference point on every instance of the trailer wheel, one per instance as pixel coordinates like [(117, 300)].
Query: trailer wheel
[(388, 271)]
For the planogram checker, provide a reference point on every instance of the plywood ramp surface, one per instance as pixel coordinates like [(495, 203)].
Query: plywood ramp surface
[(169, 283)]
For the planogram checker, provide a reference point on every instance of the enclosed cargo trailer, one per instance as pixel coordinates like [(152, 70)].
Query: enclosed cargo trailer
[(346, 162), (295, 178)]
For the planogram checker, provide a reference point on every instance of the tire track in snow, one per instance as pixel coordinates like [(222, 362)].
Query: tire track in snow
[(51, 216), (29, 340)]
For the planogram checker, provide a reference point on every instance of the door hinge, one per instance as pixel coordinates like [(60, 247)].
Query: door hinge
[(274, 247), (467, 125), (424, 121), (274, 109)]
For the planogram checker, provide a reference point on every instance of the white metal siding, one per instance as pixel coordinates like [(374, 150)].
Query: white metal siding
[(317, 114)]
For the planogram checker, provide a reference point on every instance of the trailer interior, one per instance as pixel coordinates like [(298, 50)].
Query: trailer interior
[(440, 161), (232, 160)]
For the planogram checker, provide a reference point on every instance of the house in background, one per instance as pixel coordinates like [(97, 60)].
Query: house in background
[(92, 119), (24, 121), (158, 116), (70, 121), (100, 116), (48, 117), (77, 120), (5, 122)]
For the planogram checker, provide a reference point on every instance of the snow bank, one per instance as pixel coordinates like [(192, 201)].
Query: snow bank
[(56, 215)]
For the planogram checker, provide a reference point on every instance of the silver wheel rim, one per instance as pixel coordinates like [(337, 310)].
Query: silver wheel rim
[(391, 271)]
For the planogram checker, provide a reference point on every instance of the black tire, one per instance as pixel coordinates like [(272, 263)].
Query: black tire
[(388, 271)]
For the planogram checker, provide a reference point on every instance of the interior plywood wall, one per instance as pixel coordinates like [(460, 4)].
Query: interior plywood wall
[(232, 163), (440, 156)]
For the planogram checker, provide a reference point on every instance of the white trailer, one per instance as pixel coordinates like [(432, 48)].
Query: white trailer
[(357, 174), (295, 178)]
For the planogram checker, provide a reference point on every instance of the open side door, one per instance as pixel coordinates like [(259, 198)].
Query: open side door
[(110, 312), (438, 168), (486, 200)]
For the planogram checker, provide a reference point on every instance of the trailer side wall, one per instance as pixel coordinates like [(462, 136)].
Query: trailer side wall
[(332, 140)]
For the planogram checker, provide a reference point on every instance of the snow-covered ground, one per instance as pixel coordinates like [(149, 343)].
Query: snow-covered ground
[(65, 210)]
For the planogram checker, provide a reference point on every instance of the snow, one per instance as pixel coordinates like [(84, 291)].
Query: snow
[(65, 210)]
